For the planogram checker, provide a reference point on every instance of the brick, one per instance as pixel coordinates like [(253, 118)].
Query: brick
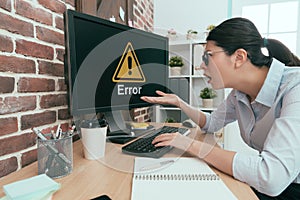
[(144, 111), (137, 112), (16, 65), (15, 25), (62, 85), (64, 114), (33, 49), (50, 68), (17, 104), (7, 84), (54, 5), (39, 119), (59, 23), (5, 4), (17, 143), (64, 127), (60, 54), (36, 85), (50, 36), (49, 101), (29, 10), (146, 118), (140, 9), (8, 125), (6, 44), (28, 157), (8, 166)]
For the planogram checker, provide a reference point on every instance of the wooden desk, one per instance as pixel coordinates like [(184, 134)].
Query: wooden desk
[(111, 175)]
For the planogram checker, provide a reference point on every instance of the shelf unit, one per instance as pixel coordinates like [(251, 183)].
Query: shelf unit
[(188, 84)]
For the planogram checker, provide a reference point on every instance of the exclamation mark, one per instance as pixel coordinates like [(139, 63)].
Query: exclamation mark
[(129, 61)]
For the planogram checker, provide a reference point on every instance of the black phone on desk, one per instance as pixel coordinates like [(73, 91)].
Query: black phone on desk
[(102, 197)]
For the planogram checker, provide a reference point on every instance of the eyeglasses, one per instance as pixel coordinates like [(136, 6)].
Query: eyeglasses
[(206, 54)]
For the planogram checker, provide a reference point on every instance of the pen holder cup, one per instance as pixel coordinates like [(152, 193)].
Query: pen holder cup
[(55, 156)]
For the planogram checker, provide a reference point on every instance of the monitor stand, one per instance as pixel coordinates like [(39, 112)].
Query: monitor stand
[(116, 123)]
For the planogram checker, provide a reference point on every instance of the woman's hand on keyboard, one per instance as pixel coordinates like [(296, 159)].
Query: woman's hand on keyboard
[(173, 139), (164, 98)]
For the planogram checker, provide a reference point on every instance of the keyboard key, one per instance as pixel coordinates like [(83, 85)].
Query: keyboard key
[(144, 147)]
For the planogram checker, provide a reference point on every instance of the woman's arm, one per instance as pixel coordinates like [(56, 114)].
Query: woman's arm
[(217, 157), (171, 99), (193, 113)]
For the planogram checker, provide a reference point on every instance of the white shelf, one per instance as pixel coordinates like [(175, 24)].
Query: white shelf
[(179, 76), (198, 76), (185, 42), (168, 108), (207, 109), (189, 84)]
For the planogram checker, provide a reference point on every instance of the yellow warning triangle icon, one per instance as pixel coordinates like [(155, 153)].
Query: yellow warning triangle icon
[(129, 69)]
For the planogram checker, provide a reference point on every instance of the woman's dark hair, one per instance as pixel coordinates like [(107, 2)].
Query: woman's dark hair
[(238, 32)]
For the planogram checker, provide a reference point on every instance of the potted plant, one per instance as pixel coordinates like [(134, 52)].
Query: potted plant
[(175, 63), (209, 28), (172, 34), (191, 34), (207, 95), (170, 120)]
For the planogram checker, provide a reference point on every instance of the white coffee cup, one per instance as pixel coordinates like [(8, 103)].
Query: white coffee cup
[(93, 140)]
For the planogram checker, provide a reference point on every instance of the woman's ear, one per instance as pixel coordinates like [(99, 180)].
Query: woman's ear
[(240, 57)]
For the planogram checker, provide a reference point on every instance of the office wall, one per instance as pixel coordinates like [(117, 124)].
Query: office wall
[(32, 86), (189, 14)]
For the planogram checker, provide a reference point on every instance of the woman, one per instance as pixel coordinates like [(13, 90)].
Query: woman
[(265, 101)]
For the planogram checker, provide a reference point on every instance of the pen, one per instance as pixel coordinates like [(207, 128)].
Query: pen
[(39, 134), (156, 165), (71, 130), (58, 131)]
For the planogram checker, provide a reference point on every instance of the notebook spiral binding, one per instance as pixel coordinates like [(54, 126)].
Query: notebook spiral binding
[(172, 177)]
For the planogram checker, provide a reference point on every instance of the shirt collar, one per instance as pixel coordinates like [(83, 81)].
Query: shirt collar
[(268, 92)]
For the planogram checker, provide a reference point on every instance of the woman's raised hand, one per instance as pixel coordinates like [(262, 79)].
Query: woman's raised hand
[(167, 99)]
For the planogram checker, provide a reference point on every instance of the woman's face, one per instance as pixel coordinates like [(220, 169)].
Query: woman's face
[(216, 64)]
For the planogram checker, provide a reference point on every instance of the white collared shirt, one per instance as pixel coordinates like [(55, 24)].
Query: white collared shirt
[(271, 125)]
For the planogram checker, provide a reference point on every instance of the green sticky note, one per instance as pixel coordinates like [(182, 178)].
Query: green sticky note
[(37, 187)]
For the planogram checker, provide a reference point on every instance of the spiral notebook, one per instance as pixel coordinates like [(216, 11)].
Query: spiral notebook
[(176, 178)]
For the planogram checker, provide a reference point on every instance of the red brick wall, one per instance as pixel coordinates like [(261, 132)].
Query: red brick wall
[(32, 89), (143, 14), (143, 19)]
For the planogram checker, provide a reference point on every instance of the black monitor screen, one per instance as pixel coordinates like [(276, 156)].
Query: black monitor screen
[(110, 66)]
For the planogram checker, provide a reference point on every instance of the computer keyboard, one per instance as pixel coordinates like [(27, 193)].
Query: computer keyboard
[(144, 147)]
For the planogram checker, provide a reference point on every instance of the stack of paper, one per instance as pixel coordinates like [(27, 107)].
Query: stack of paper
[(139, 126), (39, 187)]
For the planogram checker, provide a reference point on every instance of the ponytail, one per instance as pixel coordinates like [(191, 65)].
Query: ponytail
[(279, 51)]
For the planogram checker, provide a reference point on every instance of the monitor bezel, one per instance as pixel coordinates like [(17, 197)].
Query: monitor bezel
[(70, 60)]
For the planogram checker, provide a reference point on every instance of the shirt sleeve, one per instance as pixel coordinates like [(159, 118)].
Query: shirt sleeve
[(278, 164), (224, 114)]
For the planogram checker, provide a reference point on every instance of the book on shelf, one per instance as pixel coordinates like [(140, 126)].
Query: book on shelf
[(176, 178)]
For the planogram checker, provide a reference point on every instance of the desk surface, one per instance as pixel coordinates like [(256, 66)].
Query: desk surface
[(111, 175)]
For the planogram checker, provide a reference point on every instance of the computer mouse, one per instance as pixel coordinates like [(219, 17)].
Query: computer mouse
[(189, 123)]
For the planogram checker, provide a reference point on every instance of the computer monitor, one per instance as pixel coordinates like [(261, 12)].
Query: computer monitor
[(109, 66)]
